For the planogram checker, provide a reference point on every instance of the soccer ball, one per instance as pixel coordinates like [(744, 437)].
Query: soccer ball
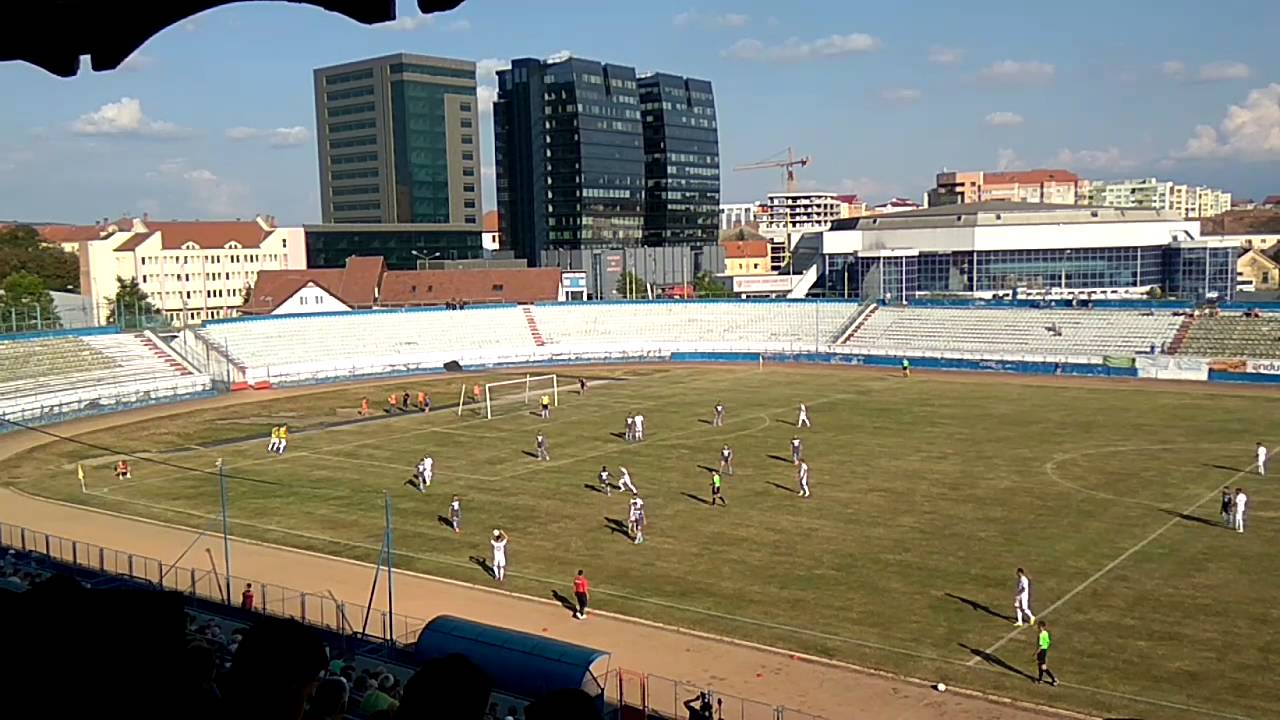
[(496, 532), (941, 687)]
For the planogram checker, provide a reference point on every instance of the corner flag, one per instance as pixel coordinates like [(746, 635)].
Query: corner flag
[(80, 474)]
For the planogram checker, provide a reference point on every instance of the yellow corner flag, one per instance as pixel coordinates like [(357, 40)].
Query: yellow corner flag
[(80, 474)]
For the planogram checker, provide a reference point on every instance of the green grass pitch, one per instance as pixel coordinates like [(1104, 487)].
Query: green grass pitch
[(927, 494)]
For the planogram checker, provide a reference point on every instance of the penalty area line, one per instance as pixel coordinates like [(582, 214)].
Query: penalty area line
[(1112, 565)]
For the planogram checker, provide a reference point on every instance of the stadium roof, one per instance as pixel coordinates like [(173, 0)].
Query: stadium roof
[(55, 34), (530, 666), (1002, 212)]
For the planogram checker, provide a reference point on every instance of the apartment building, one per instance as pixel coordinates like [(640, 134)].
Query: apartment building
[(1056, 187), (1154, 194), (191, 271)]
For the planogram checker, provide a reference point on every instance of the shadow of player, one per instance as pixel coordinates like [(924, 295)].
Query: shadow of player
[(619, 435), (995, 661), (530, 453), (1227, 468), (708, 468), (565, 602), (483, 565), (704, 421), (779, 458), (444, 521), (617, 526), (593, 488), (780, 486), (974, 604), (696, 498), (1191, 518)]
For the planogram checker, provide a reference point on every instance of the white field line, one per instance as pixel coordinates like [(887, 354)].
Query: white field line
[(622, 595), (1111, 565)]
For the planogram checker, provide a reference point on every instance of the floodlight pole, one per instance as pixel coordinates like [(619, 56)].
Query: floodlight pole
[(391, 608), (226, 534)]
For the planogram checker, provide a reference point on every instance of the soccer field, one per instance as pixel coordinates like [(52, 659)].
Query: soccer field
[(927, 494)]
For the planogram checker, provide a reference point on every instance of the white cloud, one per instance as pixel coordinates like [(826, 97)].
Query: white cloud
[(125, 118), (462, 25), (693, 18), (487, 81), (136, 62), (1219, 71), (1107, 159), (486, 95), (1003, 119), (939, 55), (277, 137), (407, 23), (901, 95), (208, 194), (1224, 70), (1250, 131), (1007, 159), (1018, 72), (1175, 69), (796, 50), (559, 56)]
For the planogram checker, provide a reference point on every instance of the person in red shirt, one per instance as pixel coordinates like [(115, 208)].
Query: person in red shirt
[(246, 597), (581, 591)]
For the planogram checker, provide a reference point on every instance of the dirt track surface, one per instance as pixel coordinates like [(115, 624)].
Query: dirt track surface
[(832, 690)]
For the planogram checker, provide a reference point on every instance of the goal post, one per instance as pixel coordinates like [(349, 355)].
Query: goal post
[(523, 391)]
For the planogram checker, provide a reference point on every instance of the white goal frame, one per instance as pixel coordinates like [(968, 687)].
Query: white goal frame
[(528, 382)]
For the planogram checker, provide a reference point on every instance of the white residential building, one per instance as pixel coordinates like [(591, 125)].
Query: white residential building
[(736, 215), (1154, 194), (192, 271)]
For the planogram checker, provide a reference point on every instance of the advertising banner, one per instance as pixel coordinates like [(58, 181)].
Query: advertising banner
[(1263, 367)]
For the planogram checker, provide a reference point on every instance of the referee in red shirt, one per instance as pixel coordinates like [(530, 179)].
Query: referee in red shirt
[(581, 591)]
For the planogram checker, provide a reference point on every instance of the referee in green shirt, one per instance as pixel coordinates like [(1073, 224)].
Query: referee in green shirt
[(1042, 655)]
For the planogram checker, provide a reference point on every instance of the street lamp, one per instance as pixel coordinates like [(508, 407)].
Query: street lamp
[(425, 259)]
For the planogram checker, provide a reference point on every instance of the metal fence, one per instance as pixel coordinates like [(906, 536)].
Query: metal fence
[(627, 695), (638, 696), (323, 611)]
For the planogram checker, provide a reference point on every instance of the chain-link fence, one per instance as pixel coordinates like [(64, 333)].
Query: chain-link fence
[(625, 695)]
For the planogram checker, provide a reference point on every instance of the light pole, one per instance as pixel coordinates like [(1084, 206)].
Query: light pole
[(425, 263), (226, 535)]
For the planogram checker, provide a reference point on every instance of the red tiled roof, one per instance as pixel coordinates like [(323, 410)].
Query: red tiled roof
[(491, 221), (849, 199), (519, 285), (740, 249), (273, 287), (1242, 222), (1271, 200), (210, 235), (360, 280), (1029, 177), (68, 233)]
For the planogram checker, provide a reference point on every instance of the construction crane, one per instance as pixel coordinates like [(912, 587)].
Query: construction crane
[(788, 167)]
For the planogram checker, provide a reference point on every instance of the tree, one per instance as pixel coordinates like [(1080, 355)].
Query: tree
[(21, 249), (631, 285), (27, 305), (707, 285), (131, 308)]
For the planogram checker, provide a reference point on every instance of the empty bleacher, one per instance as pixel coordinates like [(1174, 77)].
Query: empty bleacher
[(685, 322), (369, 338), (1013, 330), (48, 376), (1233, 336)]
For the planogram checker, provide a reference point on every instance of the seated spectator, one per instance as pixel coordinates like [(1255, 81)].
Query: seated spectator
[(355, 698), (448, 687), (329, 701), (275, 669), (379, 698)]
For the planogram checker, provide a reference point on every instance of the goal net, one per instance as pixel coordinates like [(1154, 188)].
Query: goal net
[(520, 394)]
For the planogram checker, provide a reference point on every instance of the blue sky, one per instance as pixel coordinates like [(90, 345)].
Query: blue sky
[(214, 117)]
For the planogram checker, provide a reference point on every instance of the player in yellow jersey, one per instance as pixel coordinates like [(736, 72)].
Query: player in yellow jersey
[(275, 438), (283, 439)]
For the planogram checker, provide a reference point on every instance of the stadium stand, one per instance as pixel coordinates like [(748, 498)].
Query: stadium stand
[(61, 375), (1235, 336), (1028, 330), (684, 322)]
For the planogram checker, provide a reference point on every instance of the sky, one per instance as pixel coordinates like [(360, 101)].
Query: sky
[(214, 117)]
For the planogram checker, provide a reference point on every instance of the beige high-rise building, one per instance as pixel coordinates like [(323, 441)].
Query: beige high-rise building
[(1058, 187)]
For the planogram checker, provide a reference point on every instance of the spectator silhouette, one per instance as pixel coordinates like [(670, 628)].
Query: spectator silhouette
[(199, 668), (447, 687), (275, 670), (329, 701), (563, 705)]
